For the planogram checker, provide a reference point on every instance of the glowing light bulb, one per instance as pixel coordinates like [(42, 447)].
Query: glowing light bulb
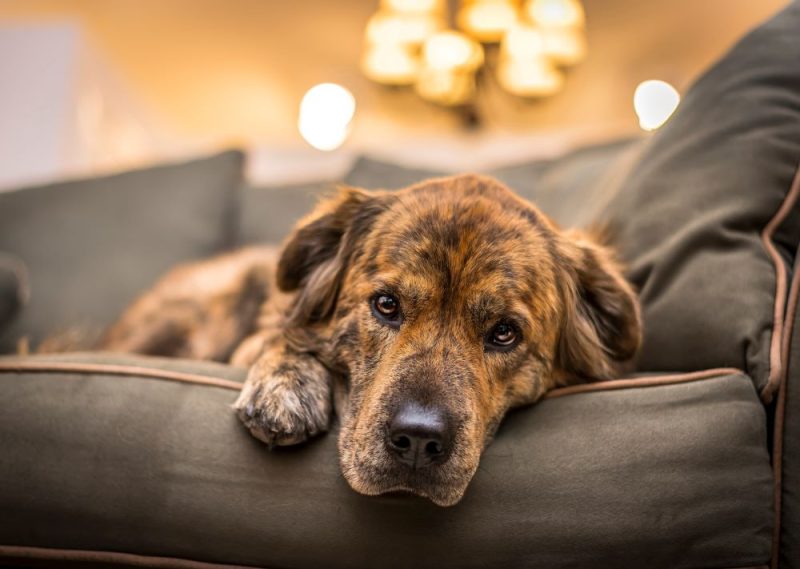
[(654, 102), (326, 113), (531, 78), (488, 20), (390, 64), (522, 42), (451, 50), (565, 46), (414, 6), (401, 28), (556, 13)]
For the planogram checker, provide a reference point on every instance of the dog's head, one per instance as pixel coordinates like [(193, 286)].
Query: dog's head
[(446, 304)]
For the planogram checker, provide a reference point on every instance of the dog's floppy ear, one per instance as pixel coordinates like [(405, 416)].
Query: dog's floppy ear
[(602, 324), (317, 253)]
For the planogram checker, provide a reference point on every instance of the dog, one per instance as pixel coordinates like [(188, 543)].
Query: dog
[(422, 316)]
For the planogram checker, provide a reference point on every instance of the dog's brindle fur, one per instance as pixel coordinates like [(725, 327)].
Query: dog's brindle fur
[(460, 254)]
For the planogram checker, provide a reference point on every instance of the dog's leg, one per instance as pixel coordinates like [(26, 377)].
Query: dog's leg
[(201, 310), (287, 396)]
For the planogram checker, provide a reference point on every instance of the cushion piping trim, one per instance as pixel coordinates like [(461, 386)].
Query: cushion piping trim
[(115, 557), (113, 369), (781, 288), (780, 411), (669, 379), (154, 373), (131, 559)]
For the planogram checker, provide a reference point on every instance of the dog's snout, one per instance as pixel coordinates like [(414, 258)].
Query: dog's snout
[(419, 435)]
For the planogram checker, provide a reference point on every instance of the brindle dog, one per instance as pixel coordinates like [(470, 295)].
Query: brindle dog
[(426, 314)]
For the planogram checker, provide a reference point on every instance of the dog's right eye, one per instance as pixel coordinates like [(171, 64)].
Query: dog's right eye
[(387, 308)]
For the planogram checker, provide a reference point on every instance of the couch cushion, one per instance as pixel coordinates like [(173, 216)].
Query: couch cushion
[(125, 457), (269, 212), (707, 218), (91, 245), (13, 287), (373, 174), (570, 188)]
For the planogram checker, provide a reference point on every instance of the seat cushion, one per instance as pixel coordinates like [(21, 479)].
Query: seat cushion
[(90, 246), (708, 217), (143, 457)]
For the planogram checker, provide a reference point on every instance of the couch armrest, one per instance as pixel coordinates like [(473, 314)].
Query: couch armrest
[(125, 461)]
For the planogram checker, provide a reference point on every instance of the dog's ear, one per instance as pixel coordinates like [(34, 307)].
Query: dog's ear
[(602, 324), (317, 253)]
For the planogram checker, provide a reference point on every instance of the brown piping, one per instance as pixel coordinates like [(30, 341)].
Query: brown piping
[(780, 411), (129, 559), (775, 360), (642, 381), (112, 369)]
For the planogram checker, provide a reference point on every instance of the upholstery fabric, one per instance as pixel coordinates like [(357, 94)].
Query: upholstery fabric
[(269, 213), (787, 438), (667, 475), (13, 287), (690, 216), (91, 246)]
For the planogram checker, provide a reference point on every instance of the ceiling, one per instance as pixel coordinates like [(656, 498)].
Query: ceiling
[(234, 71)]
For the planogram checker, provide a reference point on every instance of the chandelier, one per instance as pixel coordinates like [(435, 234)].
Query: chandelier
[(525, 45)]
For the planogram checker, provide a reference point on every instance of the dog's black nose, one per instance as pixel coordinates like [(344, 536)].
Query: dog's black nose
[(419, 435)]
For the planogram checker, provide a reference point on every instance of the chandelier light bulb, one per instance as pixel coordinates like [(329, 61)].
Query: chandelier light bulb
[(452, 50), (390, 64), (488, 20), (414, 6), (522, 42), (400, 29), (556, 13)]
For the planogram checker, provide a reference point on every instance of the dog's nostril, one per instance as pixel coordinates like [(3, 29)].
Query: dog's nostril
[(433, 447), (401, 442), (419, 436)]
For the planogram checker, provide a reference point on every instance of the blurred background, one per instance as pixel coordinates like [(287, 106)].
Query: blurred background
[(93, 86)]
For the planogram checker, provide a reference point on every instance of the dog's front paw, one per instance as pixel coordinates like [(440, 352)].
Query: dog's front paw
[(287, 403)]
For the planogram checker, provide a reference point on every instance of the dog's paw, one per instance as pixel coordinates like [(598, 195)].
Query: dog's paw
[(281, 407)]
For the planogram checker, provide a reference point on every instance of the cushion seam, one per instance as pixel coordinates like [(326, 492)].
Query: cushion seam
[(780, 411), (114, 369), (776, 370), (116, 557), (154, 373)]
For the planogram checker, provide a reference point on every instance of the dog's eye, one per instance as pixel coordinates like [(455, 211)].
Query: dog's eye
[(503, 336), (386, 307)]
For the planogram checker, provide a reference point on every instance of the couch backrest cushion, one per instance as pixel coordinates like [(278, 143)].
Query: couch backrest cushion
[(269, 212), (90, 246), (708, 215), (13, 287)]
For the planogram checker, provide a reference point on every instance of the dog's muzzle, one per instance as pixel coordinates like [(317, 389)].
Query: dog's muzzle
[(420, 436)]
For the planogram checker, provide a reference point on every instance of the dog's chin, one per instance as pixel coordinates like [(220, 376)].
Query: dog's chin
[(441, 493)]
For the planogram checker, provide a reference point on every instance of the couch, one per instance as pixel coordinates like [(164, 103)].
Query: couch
[(691, 462)]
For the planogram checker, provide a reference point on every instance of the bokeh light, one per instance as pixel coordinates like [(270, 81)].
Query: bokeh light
[(326, 113), (654, 102)]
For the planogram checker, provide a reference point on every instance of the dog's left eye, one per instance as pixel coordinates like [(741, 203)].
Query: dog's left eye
[(503, 336), (386, 307)]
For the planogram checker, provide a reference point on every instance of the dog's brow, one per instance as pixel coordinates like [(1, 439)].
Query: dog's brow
[(486, 308), (406, 290)]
